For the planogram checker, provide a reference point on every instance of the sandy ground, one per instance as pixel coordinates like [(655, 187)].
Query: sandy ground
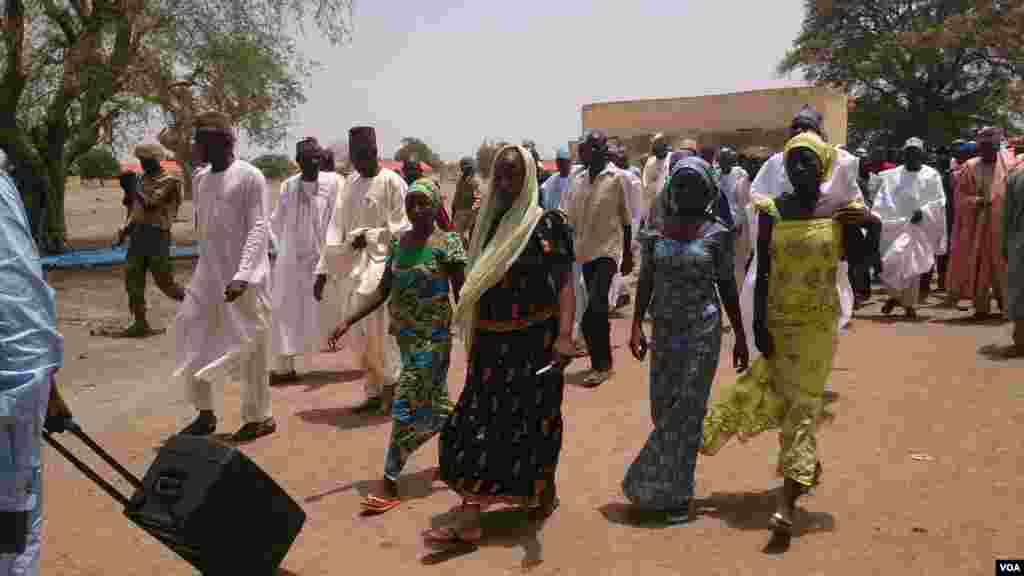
[(922, 464)]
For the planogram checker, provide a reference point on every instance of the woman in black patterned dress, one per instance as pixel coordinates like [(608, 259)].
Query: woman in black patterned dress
[(516, 312)]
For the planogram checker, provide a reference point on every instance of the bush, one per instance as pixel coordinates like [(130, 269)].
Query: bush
[(98, 164), (274, 166), (416, 149)]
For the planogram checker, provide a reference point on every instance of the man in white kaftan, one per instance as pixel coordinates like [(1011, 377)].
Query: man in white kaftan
[(577, 268), (912, 207), (223, 326), (618, 295), (836, 193), (655, 173), (735, 186), (369, 213), (298, 227)]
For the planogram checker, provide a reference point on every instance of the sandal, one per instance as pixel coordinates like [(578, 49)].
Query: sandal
[(375, 505), (452, 537)]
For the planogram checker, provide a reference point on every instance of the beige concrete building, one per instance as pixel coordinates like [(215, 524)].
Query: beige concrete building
[(742, 120)]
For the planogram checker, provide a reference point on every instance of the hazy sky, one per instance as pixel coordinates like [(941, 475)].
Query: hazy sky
[(454, 73)]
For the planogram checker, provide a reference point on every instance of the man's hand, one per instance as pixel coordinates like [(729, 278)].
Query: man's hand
[(336, 335), (235, 289), (58, 414), (318, 287), (627, 264), (917, 217), (359, 242)]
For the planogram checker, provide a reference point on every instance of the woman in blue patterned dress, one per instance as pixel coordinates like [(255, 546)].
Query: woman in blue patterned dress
[(425, 266), (686, 276)]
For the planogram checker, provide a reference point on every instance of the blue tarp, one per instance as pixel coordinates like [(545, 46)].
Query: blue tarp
[(107, 257)]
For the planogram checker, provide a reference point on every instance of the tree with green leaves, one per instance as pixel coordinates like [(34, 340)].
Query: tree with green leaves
[(98, 164), (414, 148), (76, 74), (275, 166), (908, 72)]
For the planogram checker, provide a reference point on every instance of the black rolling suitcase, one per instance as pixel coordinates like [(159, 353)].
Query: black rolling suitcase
[(207, 502)]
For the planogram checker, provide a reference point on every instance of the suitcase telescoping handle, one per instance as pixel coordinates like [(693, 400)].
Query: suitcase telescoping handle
[(74, 428)]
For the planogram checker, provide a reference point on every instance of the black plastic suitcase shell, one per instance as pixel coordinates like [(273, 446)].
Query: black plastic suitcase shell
[(207, 502)]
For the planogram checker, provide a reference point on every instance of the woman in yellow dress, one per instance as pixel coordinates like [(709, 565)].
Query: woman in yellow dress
[(796, 307)]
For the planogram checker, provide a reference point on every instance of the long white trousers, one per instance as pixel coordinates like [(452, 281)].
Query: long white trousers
[(375, 349), (251, 367)]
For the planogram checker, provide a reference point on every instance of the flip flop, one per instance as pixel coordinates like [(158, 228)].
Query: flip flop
[(375, 505)]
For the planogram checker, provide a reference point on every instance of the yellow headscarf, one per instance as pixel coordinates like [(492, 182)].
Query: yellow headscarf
[(489, 262), (826, 154)]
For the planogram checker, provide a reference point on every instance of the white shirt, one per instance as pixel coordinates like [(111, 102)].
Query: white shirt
[(736, 187), (233, 217), (598, 211), (653, 179), (372, 207)]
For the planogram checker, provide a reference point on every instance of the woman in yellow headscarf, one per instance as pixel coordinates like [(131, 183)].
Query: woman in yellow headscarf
[(796, 307), (516, 313)]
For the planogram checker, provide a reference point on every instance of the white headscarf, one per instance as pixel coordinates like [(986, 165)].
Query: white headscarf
[(490, 259)]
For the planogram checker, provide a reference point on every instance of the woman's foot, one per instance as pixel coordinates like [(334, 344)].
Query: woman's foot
[(782, 519), (464, 531), (383, 497), (683, 515)]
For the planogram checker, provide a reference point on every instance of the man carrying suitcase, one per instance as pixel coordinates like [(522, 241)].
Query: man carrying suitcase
[(31, 351)]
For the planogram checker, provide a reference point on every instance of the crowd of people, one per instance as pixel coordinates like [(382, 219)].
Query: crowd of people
[(524, 269)]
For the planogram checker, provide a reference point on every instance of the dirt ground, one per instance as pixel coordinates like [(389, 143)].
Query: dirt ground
[(922, 463)]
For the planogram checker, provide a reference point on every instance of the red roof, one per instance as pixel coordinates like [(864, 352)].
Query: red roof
[(397, 166), (137, 168)]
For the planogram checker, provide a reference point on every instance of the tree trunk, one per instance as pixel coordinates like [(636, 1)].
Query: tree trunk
[(55, 237)]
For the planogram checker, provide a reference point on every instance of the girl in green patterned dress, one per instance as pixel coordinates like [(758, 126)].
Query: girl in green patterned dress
[(426, 266)]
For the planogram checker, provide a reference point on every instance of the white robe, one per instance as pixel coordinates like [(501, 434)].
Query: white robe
[(214, 337), (839, 191), (736, 187), (909, 250), (299, 228), (653, 179), (577, 268), (634, 199), (373, 207)]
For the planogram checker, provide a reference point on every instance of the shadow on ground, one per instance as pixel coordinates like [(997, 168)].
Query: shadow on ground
[(345, 418), (415, 486), (741, 511), (997, 353), (319, 378), (992, 320)]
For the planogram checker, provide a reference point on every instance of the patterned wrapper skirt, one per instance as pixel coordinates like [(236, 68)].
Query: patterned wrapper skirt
[(683, 363), (502, 441)]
